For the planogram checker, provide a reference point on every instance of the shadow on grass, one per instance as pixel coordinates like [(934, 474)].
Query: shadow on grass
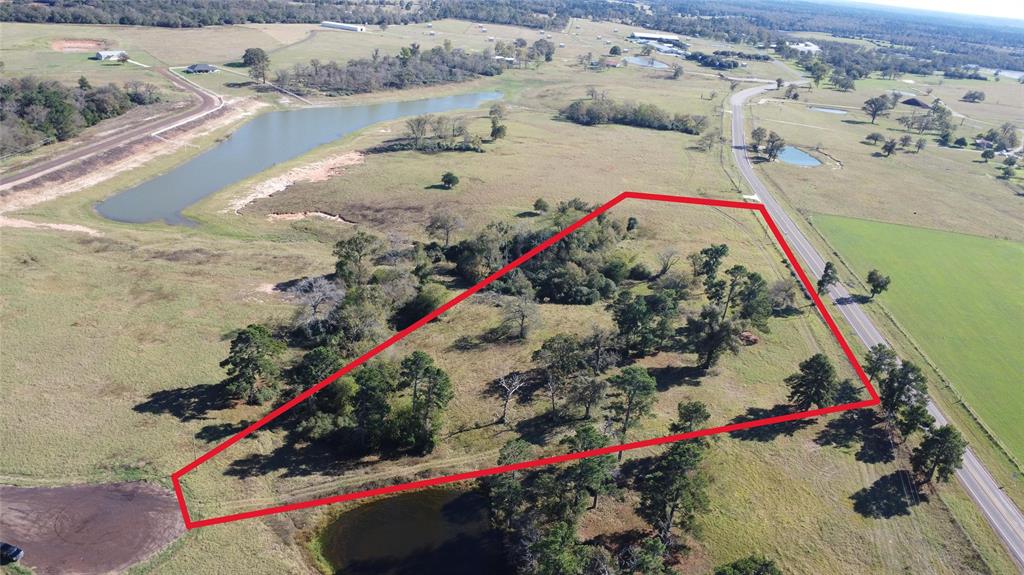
[(890, 496), (217, 432), (863, 427), (541, 429), (187, 403), (672, 376), (437, 187), (856, 122), (766, 433), (853, 298)]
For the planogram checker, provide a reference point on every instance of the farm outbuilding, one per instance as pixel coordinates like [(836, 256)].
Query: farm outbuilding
[(109, 55), (200, 69), (343, 26)]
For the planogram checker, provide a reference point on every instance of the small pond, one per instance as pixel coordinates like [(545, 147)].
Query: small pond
[(828, 110), (645, 62), (796, 156), (431, 532), (258, 145)]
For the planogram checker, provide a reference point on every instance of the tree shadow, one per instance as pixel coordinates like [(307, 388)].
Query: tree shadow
[(466, 509), (437, 187), (847, 429), (299, 458), (540, 429), (853, 298), (528, 214), (855, 122), (770, 432), (889, 496), (216, 432), (187, 403), (672, 376)]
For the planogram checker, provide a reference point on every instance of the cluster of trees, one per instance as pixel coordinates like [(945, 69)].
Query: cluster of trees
[(539, 512), (602, 110), (743, 55), (974, 96), (890, 145), (770, 143), (964, 73), (541, 50), (712, 60), (36, 112), (1004, 137), (410, 67), (903, 391)]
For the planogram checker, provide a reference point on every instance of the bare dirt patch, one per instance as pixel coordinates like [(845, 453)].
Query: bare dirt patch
[(318, 171), (88, 528), (78, 45), (295, 216)]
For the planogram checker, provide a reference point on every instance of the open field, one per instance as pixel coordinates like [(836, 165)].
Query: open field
[(974, 282), (119, 337), (940, 188)]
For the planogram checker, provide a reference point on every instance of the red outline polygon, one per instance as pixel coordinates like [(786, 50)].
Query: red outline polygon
[(757, 207)]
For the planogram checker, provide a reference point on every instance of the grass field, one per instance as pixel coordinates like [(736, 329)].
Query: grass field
[(118, 338), (958, 295)]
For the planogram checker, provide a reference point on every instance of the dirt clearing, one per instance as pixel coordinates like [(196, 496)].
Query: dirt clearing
[(79, 45), (315, 172), (88, 528)]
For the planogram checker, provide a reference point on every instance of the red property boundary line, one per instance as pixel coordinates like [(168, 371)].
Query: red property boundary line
[(756, 207)]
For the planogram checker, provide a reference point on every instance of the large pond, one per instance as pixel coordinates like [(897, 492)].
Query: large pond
[(792, 155), (646, 62), (430, 532), (828, 110), (267, 140)]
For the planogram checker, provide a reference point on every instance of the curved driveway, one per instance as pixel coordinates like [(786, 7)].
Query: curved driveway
[(1004, 517)]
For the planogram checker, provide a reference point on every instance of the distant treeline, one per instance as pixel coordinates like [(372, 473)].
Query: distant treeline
[(742, 55), (411, 67), (35, 112), (606, 111)]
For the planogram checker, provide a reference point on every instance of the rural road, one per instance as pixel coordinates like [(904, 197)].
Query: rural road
[(208, 102), (1004, 517)]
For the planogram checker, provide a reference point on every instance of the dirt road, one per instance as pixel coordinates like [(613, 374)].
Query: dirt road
[(87, 529), (207, 102)]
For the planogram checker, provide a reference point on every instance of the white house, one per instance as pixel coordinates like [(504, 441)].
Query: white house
[(110, 55), (343, 26)]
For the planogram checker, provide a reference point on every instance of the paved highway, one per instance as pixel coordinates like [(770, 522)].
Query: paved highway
[(207, 102), (1004, 517)]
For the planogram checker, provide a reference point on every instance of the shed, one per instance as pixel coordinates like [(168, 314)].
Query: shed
[(343, 26), (200, 69)]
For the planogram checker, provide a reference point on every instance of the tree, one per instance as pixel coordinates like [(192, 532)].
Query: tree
[(505, 490), (638, 390), (914, 418), (875, 107), (645, 558), (940, 454), (877, 282), (559, 552), (691, 416), (498, 131), (889, 147), (354, 255), (375, 382), (675, 492), (903, 385), (497, 111), (879, 361), (905, 140), (258, 63), (814, 385), (592, 475), (317, 296), (987, 154), (779, 83), (960, 142), (677, 71), (646, 50), (251, 365), (443, 224), (758, 135), (561, 358), (416, 129), (753, 565), (710, 336), (974, 96), (541, 205), (920, 144), (122, 58), (773, 146), (429, 298), (430, 404), (875, 137), (615, 51), (521, 313), (509, 385), (449, 180), (829, 277)]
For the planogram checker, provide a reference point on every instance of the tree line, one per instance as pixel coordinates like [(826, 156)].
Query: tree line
[(36, 112), (599, 109), (409, 68)]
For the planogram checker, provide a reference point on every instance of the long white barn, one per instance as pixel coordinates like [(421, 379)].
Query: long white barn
[(343, 26)]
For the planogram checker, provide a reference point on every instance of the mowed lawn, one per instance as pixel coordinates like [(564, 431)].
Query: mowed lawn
[(959, 296)]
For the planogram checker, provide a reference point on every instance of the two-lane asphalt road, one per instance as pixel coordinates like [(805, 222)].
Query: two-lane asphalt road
[(1004, 517), (207, 102)]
